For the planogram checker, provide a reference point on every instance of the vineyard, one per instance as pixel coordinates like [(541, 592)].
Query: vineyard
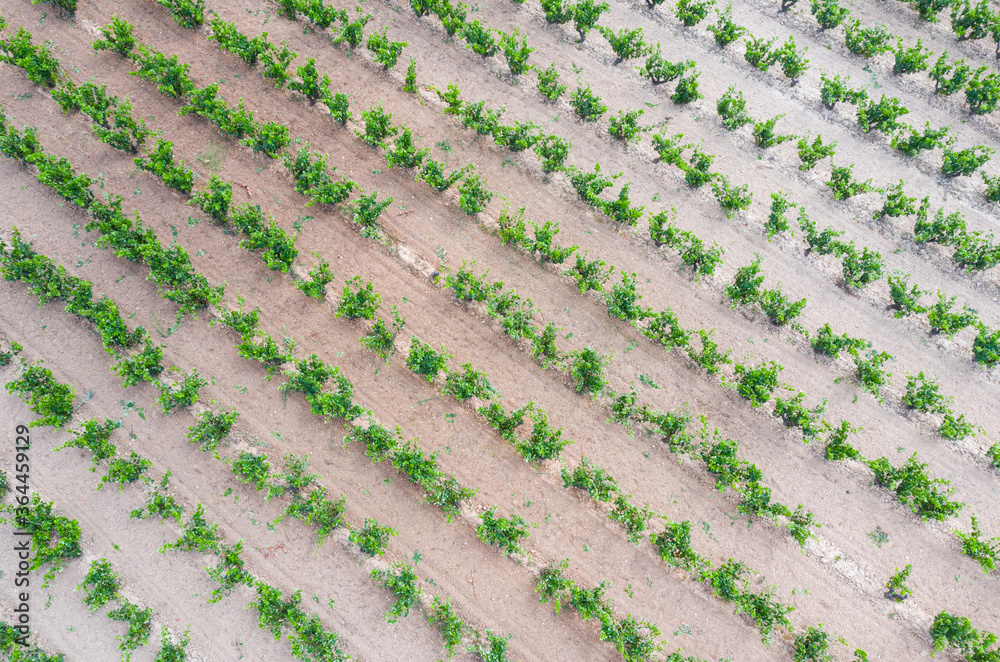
[(528, 330)]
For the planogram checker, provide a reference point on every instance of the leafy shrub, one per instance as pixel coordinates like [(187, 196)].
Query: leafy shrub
[(626, 44), (543, 346), (311, 85), (125, 472), (8, 356), (956, 429), (518, 136), (505, 533), (837, 447), (372, 538), (794, 414), (867, 42), (144, 366), (170, 78), (929, 9), (943, 230), (939, 73), (709, 357), (514, 313), (101, 584), (377, 126), (843, 186), (359, 300), (161, 163), (725, 30), (985, 552), (469, 287), (943, 321), (368, 208), (764, 135), (812, 646), (687, 89), (186, 13), (982, 93), (778, 308), (590, 185), (861, 269), (230, 39), (401, 581), (692, 12), (776, 221), (659, 70), (140, 625), (745, 288), (915, 142), (811, 154), (897, 203), (543, 244), (587, 105), (548, 83), (351, 32), (252, 469), (732, 199), (793, 62), (117, 37), (870, 373), (587, 370), (955, 631), (215, 199), (471, 383), (625, 126), (880, 116), (423, 360), (37, 61), (828, 13), (731, 107), (915, 489), (696, 174), (52, 401), (588, 275), (212, 428), (905, 301), (479, 39), (976, 252), (673, 544), (664, 327), (384, 52), (757, 384), (432, 172), (922, 394), (758, 53), (834, 90), (622, 301), (966, 161), (552, 152), (592, 478), (910, 60), (971, 21), (586, 14), (516, 52), (986, 346), (171, 651), (319, 276), (473, 194), (766, 612)]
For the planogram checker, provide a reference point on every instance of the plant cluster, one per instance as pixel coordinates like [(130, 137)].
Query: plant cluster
[(635, 640)]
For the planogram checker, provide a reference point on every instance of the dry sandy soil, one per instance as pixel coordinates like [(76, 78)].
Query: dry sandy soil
[(836, 581)]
